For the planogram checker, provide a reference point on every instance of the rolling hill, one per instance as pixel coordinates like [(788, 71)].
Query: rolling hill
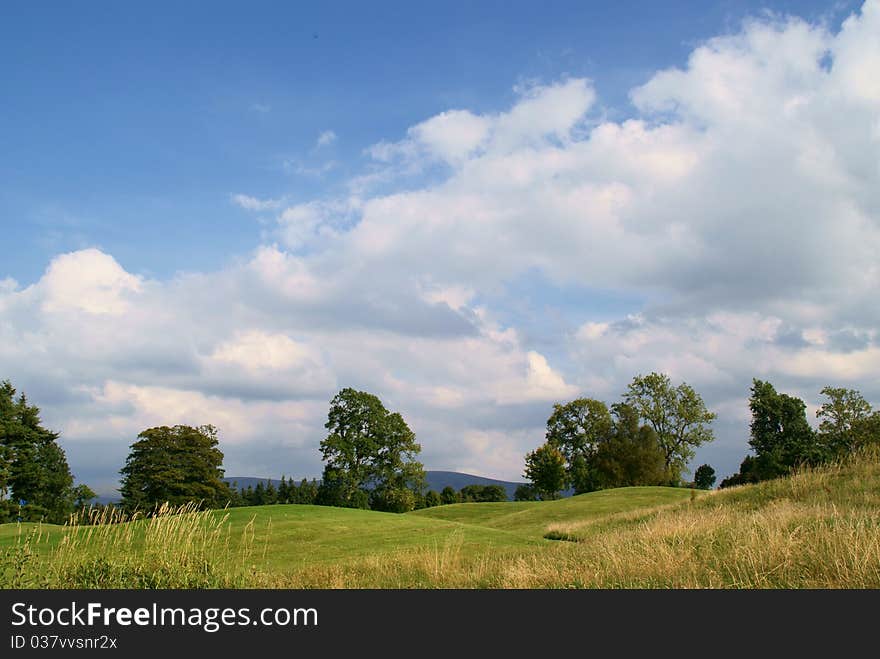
[(818, 528), (282, 540)]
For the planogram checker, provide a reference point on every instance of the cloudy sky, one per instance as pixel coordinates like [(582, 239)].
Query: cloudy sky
[(226, 213)]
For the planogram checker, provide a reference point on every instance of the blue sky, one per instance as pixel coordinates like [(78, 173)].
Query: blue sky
[(276, 162), (128, 127)]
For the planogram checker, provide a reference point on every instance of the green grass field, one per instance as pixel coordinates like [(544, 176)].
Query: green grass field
[(817, 529), (534, 518)]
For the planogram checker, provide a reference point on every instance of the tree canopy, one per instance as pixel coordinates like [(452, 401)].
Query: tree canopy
[(525, 492), (780, 434), (448, 495), (482, 493), (676, 413), (847, 421), (175, 465), (631, 455), (704, 477), (576, 429), (369, 455), (545, 468), (647, 439)]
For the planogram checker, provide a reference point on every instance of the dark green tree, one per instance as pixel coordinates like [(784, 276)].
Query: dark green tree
[(704, 477), (482, 493), (307, 492), (259, 498), (177, 465), (749, 472), (545, 468), (432, 499), (394, 499), (271, 496), (576, 429), (494, 493), (283, 491), (631, 455), (33, 467), (869, 431), (780, 434), (369, 455), (781, 437), (5, 475), (448, 495), (525, 492), (236, 496), (676, 413)]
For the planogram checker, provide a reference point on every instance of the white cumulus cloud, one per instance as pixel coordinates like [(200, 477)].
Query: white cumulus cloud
[(738, 207)]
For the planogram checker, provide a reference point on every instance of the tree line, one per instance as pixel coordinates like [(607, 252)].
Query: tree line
[(287, 491), (783, 440), (369, 462), (370, 453), (647, 438), (266, 493)]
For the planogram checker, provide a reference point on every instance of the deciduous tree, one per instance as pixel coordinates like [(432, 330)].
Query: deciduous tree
[(482, 493), (704, 477), (576, 428), (432, 499), (545, 468), (676, 413), (525, 492), (369, 455), (780, 434), (448, 495), (631, 455), (845, 420)]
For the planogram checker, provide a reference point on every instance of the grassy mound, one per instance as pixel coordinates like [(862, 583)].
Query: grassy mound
[(533, 518)]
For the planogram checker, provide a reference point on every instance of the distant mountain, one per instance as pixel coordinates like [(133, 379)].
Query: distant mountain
[(436, 480)]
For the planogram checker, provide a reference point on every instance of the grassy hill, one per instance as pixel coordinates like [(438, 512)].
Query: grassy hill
[(817, 529), (534, 518)]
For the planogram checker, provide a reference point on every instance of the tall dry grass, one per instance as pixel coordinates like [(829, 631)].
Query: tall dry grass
[(174, 547)]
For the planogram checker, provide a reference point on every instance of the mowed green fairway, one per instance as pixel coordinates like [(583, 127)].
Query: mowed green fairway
[(297, 535)]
